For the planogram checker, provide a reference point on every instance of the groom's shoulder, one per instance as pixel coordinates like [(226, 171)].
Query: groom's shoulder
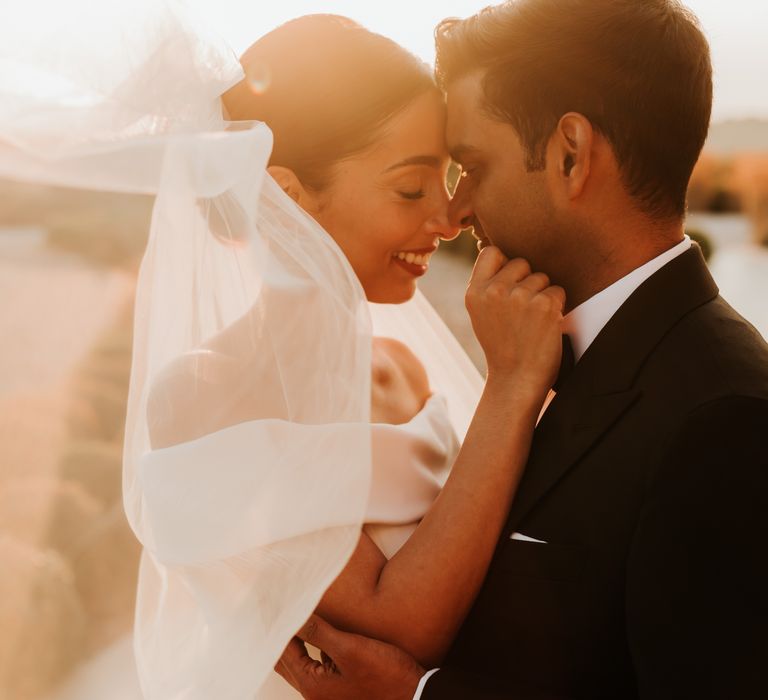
[(708, 381), (715, 347)]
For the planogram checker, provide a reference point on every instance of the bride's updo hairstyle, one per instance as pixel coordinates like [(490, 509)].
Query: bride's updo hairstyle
[(326, 87)]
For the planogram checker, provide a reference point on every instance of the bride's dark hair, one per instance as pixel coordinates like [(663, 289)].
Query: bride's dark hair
[(326, 87)]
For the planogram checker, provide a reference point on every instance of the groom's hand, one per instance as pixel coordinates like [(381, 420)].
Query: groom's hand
[(353, 667)]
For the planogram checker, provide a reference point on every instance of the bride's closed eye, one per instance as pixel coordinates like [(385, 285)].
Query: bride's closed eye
[(418, 194)]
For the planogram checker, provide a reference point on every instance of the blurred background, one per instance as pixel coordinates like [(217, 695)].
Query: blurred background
[(68, 263)]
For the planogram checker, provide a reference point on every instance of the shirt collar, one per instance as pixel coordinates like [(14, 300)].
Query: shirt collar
[(585, 322)]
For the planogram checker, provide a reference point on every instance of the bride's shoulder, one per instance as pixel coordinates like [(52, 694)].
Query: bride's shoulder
[(392, 358), (400, 386), (210, 388)]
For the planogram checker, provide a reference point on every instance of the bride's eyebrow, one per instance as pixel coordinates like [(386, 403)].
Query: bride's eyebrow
[(430, 161)]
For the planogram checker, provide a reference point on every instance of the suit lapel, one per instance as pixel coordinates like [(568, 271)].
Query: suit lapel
[(601, 387), (568, 429)]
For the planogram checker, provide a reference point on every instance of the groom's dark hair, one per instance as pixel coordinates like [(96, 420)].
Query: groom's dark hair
[(639, 70)]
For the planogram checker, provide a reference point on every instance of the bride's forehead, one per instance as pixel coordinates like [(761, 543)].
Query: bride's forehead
[(416, 131)]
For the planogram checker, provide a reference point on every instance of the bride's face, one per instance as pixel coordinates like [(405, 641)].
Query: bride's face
[(388, 207)]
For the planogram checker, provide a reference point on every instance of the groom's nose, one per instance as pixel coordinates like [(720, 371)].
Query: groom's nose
[(460, 212)]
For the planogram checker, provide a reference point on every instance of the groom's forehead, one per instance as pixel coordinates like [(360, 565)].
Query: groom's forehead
[(464, 97), (465, 94)]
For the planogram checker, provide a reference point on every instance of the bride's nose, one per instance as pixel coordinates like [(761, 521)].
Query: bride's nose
[(440, 227), (440, 223), (448, 232)]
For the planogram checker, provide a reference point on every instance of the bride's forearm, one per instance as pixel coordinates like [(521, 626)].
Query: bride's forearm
[(419, 598)]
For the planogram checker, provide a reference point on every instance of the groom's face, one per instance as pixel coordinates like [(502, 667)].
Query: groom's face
[(508, 206)]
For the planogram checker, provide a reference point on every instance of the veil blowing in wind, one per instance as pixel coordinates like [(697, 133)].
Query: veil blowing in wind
[(247, 462)]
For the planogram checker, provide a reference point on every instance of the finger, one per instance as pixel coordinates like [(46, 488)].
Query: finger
[(537, 282), (293, 662), (319, 633), (295, 656), (513, 272), (288, 677), (557, 294), (488, 263), (328, 662)]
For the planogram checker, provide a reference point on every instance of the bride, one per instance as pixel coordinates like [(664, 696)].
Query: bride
[(370, 166), (280, 457)]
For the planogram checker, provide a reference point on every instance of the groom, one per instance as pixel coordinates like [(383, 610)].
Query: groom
[(634, 560)]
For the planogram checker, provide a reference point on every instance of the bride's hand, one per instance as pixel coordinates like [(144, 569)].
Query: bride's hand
[(517, 317)]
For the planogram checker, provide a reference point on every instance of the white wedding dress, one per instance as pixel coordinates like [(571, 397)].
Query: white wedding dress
[(252, 322)]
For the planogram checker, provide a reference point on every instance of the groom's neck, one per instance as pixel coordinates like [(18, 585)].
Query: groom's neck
[(618, 251)]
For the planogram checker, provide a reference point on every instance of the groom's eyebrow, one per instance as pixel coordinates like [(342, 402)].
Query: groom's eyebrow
[(430, 161), (461, 151)]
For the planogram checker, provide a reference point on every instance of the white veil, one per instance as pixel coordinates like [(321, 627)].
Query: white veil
[(247, 457)]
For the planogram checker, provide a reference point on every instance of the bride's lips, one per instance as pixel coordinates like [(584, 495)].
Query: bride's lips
[(412, 268), (415, 262)]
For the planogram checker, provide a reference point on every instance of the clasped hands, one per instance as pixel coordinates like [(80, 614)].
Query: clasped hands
[(352, 666)]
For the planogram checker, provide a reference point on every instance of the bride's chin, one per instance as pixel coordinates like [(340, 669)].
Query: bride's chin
[(393, 293)]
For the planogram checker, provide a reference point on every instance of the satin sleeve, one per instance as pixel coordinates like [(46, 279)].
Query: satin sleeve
[(411, 463)]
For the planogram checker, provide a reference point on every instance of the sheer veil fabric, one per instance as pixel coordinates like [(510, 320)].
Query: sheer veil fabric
[(247, 460)]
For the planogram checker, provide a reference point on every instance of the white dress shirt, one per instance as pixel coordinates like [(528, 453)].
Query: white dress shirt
[(585, 322)]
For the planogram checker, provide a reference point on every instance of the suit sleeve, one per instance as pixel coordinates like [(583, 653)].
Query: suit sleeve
[(454, 684), (697, 576)]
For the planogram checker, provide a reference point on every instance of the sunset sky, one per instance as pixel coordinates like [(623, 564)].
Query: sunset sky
[(737, 30)]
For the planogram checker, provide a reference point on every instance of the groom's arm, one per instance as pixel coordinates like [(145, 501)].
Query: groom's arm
[(697, 610), (357, 667)]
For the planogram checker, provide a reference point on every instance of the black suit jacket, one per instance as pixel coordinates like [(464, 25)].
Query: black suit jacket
[(648, 479)]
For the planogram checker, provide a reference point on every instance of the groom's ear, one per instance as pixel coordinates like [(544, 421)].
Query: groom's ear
[(291, 185), (572, 145)]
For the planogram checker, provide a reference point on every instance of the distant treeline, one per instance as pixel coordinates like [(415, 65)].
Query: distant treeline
[(730, 184)]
